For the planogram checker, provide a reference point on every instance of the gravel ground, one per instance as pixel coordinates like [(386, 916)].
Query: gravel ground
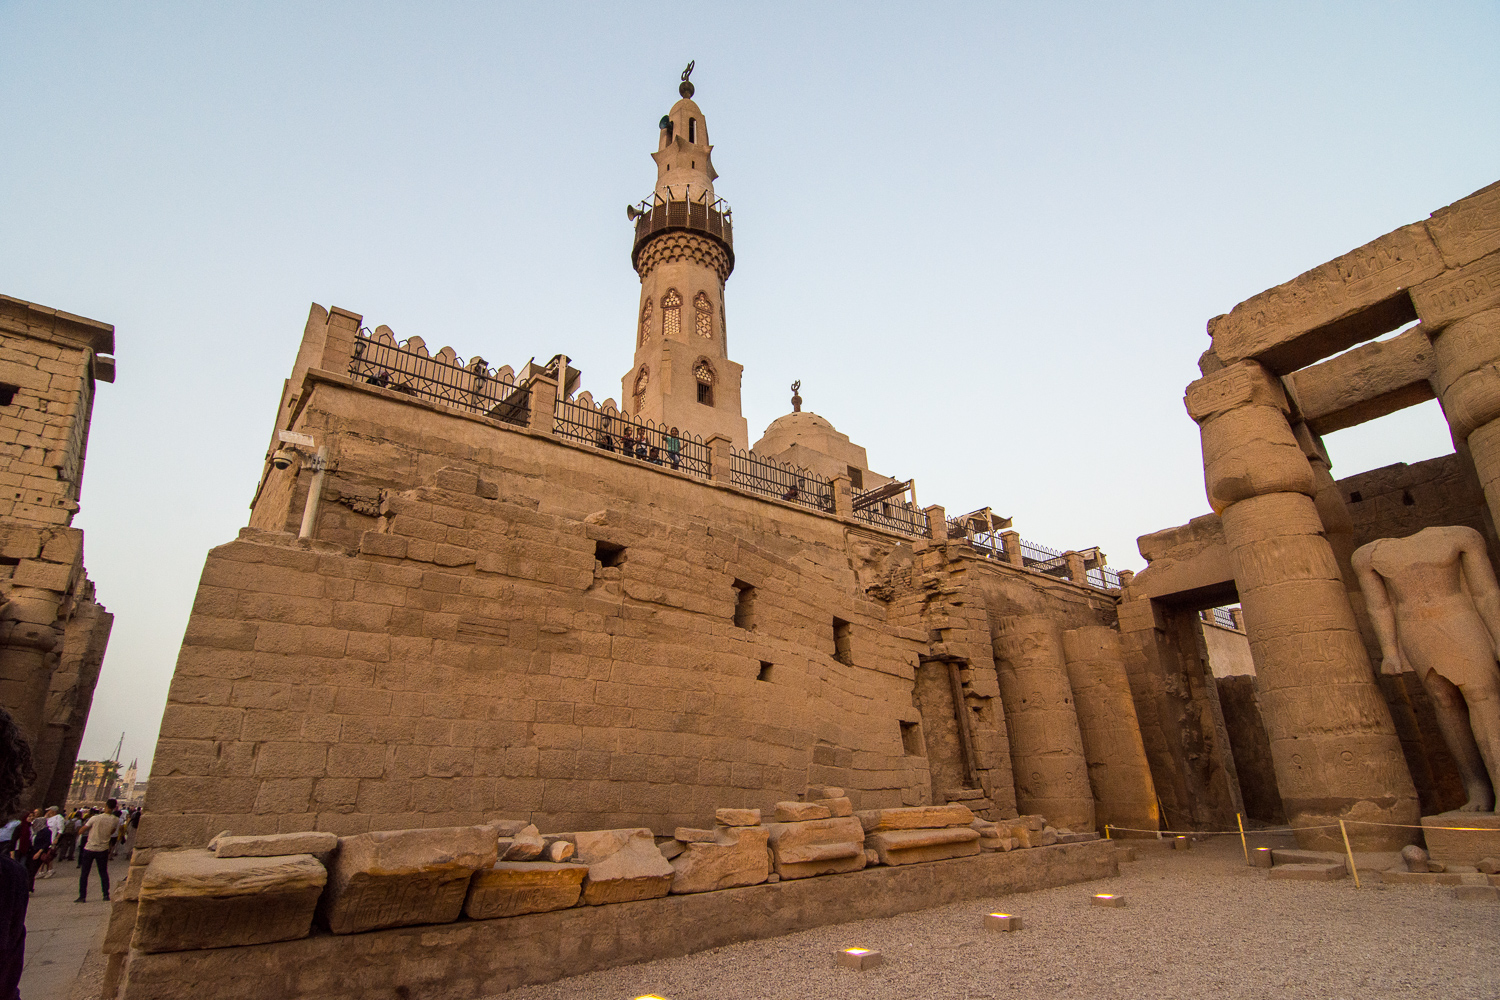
[(1197, 924)]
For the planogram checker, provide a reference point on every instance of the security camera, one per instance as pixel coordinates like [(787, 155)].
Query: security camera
[(283, 458)]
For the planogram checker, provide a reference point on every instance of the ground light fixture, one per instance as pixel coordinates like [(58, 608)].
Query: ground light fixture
[(858, 958), (1002, 922), (1107, 899)]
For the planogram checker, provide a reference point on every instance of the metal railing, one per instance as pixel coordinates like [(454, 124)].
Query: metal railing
[(989, 544), (1221, 617), (892, 515), (1103, 578), (781, 480), (658, 215), (406, 367), (1043, 560), (638, 439)]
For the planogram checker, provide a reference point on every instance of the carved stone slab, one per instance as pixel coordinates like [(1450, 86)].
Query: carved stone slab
[(510, 888), (817, 847), (275, 845), (903, 847), (191, 900), (402, 877), (623, 865), (916, 817), (737, 856)]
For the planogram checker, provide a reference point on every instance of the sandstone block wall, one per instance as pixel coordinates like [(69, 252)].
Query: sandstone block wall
[(52, 631)]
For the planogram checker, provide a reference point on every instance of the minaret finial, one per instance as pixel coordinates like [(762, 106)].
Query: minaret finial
[(796, 399), (686, 90)]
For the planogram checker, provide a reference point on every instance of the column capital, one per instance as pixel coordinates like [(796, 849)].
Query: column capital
[(1245, 383)]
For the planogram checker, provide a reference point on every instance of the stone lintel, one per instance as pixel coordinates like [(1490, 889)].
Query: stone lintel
[(1189, 559), (1369, 381), (1332, 307), (1469, 228), (1460, 292)]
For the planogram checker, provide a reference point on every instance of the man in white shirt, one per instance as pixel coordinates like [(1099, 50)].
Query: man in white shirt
[(55, 821), (97, 833)]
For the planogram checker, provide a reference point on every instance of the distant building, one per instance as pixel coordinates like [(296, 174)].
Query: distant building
[(52, 630)]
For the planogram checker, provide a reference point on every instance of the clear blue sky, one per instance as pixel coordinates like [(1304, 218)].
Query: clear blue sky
[(985, 237)]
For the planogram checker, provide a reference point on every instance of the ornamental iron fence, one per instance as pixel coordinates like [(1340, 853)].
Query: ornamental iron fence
[(632, 438), (892, 515), (780, 480), (1103, 578), (406, 367)]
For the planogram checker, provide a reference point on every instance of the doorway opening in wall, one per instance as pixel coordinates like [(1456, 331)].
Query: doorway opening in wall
[(7, 393), (744, 605), (765, 672), (842, 635), (911, 739), (609, 554)]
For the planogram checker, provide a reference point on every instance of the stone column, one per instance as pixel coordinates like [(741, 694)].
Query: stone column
[(543, 401), (1012, 542), (1468, 384), (937, 523), (1077, 571), (1120, 775), (1046, 749), (721, 459), (843, 497), (1332, 740)]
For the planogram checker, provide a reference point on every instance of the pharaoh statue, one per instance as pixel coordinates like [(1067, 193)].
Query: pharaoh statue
[(1435, 606)]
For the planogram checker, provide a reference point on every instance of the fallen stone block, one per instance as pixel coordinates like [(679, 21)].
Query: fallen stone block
[(508, 827), (1076, 838), (872, 857), (1490, 866), (275, 845), (1325, 872), (823, 792), (817, 847), (559, 851), (736, 857), (1416, 859), (193, 899), (510, 888), (1124, 854), (526, 845), (737, 817), (1295, 857), (1027, 837), (398, 878), (1034, 822), (691, 835), (623, 865), (836, 807), (916, 817), (670, 847), (798, 812), (904, 847), (1462, 837)]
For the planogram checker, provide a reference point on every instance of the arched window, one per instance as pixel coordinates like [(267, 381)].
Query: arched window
[(671, 314), (639, 392), (705, 316), (692, 130), (704, 373), (645, 321)]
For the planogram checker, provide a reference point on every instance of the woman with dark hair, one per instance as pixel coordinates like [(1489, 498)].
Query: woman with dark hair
[(16, 773)]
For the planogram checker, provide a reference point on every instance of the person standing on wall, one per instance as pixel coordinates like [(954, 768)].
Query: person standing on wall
[(16, 773), (97, 833)]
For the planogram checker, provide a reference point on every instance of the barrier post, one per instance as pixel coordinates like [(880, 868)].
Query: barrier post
[(1243, 846), (1106, 831), (1347, 850)]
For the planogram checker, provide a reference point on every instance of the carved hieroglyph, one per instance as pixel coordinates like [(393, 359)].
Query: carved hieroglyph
[(1435, 606)]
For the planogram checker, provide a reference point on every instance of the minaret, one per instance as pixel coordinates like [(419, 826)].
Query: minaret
[(684, 251)]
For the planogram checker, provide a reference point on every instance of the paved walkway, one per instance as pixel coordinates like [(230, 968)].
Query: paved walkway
[(60, 932)]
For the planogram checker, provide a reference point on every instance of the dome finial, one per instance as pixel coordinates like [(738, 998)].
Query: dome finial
[(796, 399), (686, 89)]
